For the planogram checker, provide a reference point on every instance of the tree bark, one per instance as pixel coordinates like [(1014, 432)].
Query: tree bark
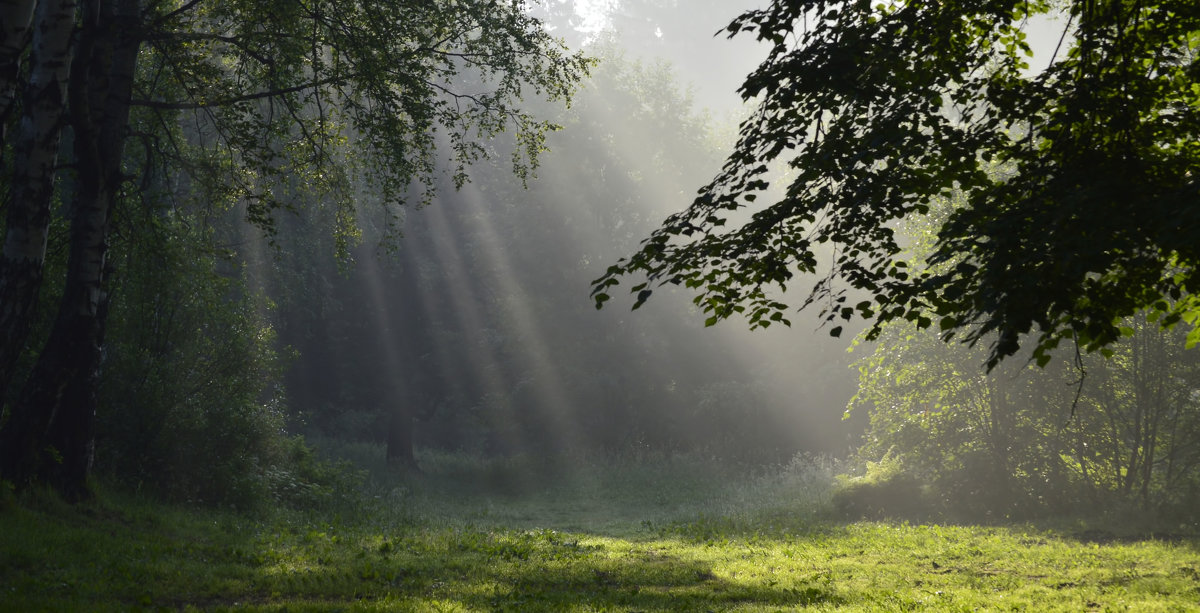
[(16, 17), (28, 221), (400, 440), (32, 184), (62, 389)]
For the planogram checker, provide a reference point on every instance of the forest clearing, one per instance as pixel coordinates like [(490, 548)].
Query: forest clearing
[(658, 535), (599, 305)]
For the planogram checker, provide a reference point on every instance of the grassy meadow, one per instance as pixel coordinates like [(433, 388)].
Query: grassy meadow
[(655, 534)]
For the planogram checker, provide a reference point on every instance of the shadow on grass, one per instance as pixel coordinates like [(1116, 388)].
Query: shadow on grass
[(686, 586), (520, 571), (128, 557), (1101, 536)]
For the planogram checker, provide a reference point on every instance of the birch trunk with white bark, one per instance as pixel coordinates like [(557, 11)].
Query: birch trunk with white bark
[(27, 222), (65, 380)]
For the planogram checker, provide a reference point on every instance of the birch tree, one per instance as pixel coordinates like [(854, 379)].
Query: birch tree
[(245, 96)]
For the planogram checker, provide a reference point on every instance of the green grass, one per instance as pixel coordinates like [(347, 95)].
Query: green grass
[(662, 535)]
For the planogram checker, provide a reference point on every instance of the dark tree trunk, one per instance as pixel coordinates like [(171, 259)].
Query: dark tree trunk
[(400, 440), (62, 389), (16, 17)]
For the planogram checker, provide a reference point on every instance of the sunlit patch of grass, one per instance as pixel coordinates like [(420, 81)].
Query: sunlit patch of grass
[(738, 550)]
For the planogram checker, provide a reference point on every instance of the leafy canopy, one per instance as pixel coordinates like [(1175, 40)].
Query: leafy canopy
[(347, 99), (1079, 180)]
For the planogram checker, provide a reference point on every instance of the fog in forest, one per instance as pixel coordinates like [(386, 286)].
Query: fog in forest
[(472, 305), (474, 333), (294, 305), (477, 333)]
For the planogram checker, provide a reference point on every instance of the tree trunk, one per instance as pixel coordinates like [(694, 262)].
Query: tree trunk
[(16, 17), (35, 153), (28, 220), (400, 440), (62, 389)]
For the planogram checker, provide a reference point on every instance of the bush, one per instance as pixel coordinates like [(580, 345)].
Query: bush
[(884, 491), (304, 481), (188, 405)]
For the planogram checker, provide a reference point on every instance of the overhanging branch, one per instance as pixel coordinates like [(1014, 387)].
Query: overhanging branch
[(188, 105)]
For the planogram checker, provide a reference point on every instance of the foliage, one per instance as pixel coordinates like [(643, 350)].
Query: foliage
[(1081, 432), (884, 490), (879, 109), (300, 479), (329, 99), (193, 409), (624, 493), (1136, 428), (1023, 440), (222, 102), (191, 413)]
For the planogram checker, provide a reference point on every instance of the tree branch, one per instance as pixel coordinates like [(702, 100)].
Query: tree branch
[(193, 105)]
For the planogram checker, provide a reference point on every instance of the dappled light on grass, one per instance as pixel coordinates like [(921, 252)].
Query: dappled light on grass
[(197, 562), (734, 542)]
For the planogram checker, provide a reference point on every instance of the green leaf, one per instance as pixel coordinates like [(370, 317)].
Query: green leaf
[(642, 297)]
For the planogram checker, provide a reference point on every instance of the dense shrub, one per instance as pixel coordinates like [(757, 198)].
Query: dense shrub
[(884, 491), (1090, 434), (305, 481), (188, 404)]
